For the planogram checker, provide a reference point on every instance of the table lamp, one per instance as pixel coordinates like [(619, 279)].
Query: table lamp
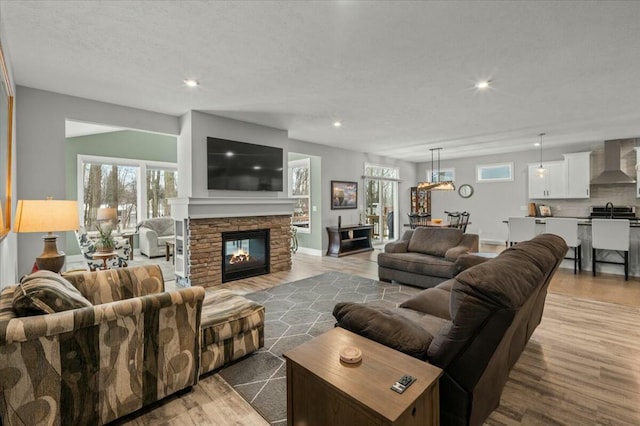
[(47, 216), (107, 213)]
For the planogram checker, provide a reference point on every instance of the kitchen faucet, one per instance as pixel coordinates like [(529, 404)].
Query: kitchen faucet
[(607, 206)]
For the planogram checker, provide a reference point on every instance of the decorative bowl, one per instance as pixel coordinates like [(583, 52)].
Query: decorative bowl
[(436, 220)]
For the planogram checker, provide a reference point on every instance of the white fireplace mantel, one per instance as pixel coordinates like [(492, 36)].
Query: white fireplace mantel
[(217, 207)]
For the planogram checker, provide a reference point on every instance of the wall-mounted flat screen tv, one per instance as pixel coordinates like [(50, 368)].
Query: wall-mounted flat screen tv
[(242, 166)]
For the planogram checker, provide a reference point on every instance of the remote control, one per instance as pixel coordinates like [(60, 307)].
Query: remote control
[(402, 384)]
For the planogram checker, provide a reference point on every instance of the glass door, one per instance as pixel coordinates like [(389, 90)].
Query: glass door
[(381, 204)]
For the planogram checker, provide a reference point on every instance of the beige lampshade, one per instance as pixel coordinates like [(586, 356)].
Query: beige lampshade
[(107, 213), (46, 216)]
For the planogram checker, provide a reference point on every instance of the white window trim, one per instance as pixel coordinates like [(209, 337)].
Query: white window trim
[(382, 166), (298, 163), (481, 167), (452, 171), (142, 166)]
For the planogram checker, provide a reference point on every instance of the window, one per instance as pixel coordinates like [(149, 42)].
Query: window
[(501, 172), (116, 182), (445, 175), (162, 184), (300, 190)]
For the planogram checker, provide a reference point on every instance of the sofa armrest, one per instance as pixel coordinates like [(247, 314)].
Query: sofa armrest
[(385, 327), (104, 286), (399, 246), (396, 247), (148, 237), (466, 261), (471, 241), (109, 360), (468, 243)]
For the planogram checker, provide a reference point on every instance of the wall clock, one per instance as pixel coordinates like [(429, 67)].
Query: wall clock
[(465, 190)]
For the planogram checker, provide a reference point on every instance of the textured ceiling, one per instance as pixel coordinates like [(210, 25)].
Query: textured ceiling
[(400, 75)]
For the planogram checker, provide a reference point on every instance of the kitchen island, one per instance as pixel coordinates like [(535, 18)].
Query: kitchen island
[(584, 234)]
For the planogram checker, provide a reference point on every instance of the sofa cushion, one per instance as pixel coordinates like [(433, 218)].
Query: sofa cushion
[(434, 241), (45, 292), (417, 263), (226, 314), (385, 327)]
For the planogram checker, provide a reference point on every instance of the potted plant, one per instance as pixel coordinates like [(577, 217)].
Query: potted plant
[(105, 241)]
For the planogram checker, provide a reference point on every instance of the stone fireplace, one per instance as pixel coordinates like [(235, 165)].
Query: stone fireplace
[(208, 221), (207, 251)]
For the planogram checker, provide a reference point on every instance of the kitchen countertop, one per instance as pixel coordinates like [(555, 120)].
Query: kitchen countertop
[(582, 221)]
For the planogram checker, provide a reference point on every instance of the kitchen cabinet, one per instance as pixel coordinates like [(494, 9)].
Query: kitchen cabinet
[(578, 174), (551, 185)]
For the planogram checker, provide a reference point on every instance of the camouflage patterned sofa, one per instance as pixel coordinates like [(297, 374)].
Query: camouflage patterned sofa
[(88, 366)]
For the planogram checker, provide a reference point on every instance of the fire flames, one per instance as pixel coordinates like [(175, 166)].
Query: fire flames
[(239, 257)]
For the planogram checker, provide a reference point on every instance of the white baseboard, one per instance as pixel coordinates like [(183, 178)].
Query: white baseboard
[(493, 242), (312, 252)]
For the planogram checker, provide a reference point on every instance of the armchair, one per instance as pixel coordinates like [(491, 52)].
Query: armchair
[(154, 234), (88, 247), (136, 345)]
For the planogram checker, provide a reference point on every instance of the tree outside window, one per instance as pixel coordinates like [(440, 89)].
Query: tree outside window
[(117, 182)]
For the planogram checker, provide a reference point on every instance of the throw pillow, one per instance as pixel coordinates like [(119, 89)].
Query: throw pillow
[(45, 292)]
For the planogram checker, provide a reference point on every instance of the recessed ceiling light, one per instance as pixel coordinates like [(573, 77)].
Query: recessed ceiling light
[(536, 144), (337, 123), (192, 83), (484, 84)]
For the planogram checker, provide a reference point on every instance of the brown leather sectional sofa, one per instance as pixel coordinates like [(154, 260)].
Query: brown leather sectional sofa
[(474, 326), (424, 257)]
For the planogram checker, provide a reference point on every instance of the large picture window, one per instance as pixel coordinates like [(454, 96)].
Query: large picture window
[(117, 182)]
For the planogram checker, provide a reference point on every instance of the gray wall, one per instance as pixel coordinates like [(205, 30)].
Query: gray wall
[(41, 154), (492, 203)]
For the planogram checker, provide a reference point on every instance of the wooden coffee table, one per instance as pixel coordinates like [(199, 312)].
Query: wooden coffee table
[(322, 390)]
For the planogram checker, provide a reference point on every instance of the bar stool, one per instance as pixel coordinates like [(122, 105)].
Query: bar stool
[(521, 229), (567, 229), (610, 234)]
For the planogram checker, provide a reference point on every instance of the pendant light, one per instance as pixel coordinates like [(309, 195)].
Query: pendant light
[(541, 170), (436, 184)]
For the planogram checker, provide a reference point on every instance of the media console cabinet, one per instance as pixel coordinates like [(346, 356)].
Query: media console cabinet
[(349, 239)]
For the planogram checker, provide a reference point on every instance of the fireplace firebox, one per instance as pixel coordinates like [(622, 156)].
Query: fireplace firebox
[(245, 254)]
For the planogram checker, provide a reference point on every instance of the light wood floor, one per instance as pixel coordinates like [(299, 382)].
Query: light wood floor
[(580, 366)]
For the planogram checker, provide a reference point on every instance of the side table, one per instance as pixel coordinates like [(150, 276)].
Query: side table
[(129, 236), (104, 257), (169, 251), (323, 390)]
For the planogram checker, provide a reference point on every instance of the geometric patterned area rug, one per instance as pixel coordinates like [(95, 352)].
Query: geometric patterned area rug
[(295, 313)]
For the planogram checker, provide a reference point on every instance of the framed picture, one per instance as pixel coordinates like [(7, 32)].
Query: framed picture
[(545, 211), (6, 130), (344, 195)]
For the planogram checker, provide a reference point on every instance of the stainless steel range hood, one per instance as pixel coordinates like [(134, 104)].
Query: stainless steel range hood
[(612, 172)]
